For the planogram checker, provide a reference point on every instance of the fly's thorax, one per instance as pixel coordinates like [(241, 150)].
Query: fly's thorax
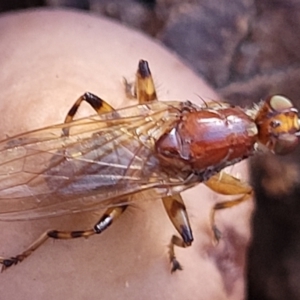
[(208, 139), (278, 125)]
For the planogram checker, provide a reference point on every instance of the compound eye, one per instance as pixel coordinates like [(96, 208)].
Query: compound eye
[(280, 103), (285, 143)]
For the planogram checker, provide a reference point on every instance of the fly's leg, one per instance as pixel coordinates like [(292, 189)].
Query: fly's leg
[(105, 221), (176, 211), (8, 262), (143, 89), (98, 104), (227, 184)]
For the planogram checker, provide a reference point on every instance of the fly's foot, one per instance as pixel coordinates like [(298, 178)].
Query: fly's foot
[(8, 262), (175, 265)]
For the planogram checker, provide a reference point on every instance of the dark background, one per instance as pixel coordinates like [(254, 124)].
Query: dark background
[(247, 50)]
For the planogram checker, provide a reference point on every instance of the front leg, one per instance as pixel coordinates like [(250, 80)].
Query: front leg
[(226, 184), (144, 91)]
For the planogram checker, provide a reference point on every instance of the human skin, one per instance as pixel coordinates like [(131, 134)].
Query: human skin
[(50, 58)]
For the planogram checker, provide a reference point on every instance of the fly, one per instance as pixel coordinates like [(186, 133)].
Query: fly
[(102, 160)]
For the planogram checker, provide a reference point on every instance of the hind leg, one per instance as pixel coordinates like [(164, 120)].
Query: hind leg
[(105, 221)]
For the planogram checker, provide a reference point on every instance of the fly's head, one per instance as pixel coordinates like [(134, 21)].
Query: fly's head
[(278, 125)]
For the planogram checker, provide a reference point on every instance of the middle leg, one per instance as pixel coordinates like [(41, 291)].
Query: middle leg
[(105, 221), (145, 92)]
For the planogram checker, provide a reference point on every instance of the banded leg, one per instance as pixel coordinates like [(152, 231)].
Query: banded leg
[(105, 221), (226, 184), (174, 206), (98, 104), (176, 211), (143, 89)]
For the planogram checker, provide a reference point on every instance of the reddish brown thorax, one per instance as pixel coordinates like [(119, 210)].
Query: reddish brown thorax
[(208, 138)]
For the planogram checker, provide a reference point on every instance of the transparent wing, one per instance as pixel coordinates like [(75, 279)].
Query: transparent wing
[(104, 159)]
